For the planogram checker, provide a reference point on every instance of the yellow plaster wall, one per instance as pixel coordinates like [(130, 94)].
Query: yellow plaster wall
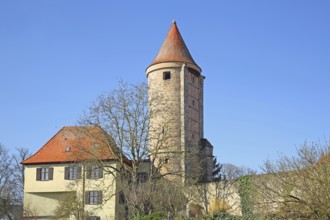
[(41, 197)]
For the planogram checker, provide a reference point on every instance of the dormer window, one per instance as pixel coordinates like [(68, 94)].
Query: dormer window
[(95, 146), (67, 148), (166, 75)]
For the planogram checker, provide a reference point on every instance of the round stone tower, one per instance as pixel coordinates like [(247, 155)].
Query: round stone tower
[(176, 109)]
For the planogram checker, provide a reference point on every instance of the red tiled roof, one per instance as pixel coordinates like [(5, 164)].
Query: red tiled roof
[(73, 144), (173, 49)]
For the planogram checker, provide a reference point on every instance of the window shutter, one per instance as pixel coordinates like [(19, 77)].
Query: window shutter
[(50, 174), (88, 172), (87, 201), (66, 173), (38, 173), (79, 172), (99, 197), (101, 172)]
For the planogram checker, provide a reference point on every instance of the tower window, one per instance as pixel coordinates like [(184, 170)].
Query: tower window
[(193, 102), (166, 75), (193, 79)]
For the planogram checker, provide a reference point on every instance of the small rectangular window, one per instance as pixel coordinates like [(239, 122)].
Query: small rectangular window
[(193, 102), (121, 197), (142, 177), (72, 172), (93, 197), (166, 75), (193, 79), (45, 173), (94, 172)]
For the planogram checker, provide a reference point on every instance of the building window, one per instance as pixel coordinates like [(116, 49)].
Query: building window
[(166, 75), (93, 197), (72, 173), (121, 197), (94, 172), (142, 177), (193, 102), (192, 136), (193, 79), (45, 173), (67, 149), (93, 218)]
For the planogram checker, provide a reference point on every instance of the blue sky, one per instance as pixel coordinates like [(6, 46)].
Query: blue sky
[(266, 65)]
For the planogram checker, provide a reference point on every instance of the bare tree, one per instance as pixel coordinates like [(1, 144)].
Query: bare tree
[(232, 172), (6, 183), (11, 182), (204, 188), (124, 114), (222, 194), (19, 174), (297, 186), (70, 205), (173, 199)]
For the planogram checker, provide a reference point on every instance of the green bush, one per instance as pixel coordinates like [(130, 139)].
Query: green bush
[(223, 216)]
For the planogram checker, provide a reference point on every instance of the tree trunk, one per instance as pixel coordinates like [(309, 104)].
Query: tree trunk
[(170, 216)]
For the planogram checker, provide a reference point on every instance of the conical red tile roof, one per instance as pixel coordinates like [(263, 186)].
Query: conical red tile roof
[(174, 48)]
